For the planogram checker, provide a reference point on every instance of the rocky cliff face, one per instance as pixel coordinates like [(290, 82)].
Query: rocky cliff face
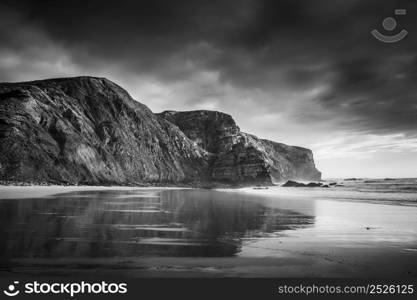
[(89, 130), (239, 157)]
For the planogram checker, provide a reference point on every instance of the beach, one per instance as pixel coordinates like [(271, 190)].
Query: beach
[(349, 231)]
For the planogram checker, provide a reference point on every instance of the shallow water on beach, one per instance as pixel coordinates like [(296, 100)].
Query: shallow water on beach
[(278, 223), (131, 223)]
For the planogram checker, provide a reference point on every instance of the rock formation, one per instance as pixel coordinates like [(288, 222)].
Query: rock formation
[(89, 130), (239, 157)]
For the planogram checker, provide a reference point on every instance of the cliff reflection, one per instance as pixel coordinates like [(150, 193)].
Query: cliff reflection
[(145, 223)]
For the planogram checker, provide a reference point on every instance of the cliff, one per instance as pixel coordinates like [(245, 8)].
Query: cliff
[(238, 157), (89, 130)]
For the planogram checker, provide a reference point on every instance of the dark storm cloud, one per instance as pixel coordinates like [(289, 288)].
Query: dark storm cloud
[(268, 45), (378, 93)]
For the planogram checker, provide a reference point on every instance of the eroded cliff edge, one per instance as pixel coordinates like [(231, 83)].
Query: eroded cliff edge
[(89, 130), (238, 157)]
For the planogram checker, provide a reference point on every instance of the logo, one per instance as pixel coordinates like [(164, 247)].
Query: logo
[(11, 290), (69, 288), (390, 24)]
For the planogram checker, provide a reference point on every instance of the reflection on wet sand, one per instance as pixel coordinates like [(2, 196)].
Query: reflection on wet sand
[(172, 223)]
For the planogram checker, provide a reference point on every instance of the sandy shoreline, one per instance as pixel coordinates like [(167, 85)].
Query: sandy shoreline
[(347, 239), (337, 194), (38, 191), (333, 194)]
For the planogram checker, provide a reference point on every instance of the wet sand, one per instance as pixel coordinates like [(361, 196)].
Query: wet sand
[(21, 192), (308, 263), (359, 239)]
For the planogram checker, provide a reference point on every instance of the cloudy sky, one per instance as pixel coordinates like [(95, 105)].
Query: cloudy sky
[(301, 72)]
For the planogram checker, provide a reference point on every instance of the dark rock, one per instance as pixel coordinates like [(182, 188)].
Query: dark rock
[(211, 130), (241, 157), (87, 130), (333, 183), (291, 183), (314, 184)]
